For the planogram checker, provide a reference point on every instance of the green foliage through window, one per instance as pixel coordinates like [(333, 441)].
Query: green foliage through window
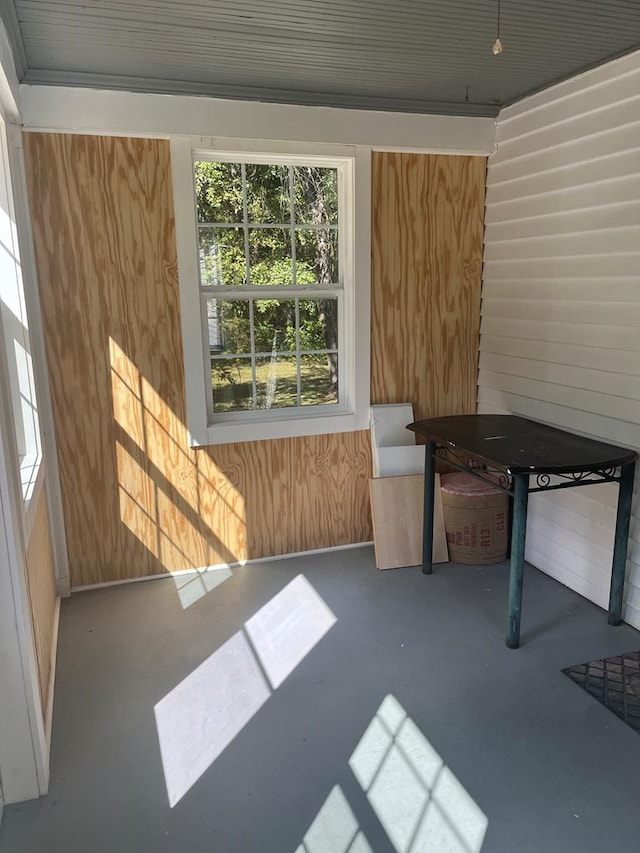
[(271, 226)]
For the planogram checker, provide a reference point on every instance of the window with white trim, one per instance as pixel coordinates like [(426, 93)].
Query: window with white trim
[(14, 330), (269, 271)]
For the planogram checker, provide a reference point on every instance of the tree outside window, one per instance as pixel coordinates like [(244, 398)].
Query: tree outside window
[(270, 279)]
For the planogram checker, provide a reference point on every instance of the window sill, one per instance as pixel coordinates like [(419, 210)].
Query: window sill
[(285, 427)]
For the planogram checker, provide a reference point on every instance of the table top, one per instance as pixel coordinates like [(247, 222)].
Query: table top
[(520, 446)]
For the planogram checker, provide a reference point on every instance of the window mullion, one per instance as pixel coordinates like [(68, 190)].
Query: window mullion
[(245, 223), (254, 391), (245, 227), (292, 205), (206, 352), (298, 377), (270, 291), (292, 217)]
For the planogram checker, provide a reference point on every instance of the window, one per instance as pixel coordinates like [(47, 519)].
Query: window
[(269, 277), (14, 330)]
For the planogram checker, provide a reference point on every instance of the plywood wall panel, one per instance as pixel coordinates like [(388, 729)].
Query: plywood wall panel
[(137, 499), (42, 593), (330, 478), (354, 454), (103, 234), (427, 222)]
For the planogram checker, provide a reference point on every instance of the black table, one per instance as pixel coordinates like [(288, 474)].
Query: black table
[(521, 456)]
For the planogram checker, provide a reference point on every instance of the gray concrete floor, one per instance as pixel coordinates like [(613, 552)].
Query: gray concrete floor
[(550, 768)]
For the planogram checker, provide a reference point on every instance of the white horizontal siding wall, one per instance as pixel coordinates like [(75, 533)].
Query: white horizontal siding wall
[(560, 334)]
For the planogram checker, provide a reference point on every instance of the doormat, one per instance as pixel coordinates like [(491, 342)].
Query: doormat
[(614, 682)]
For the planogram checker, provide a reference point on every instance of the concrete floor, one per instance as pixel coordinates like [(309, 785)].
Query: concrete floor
[(459, 730)]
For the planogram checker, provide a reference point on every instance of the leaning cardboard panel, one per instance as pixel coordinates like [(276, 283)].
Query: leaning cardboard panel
[(396, 509)]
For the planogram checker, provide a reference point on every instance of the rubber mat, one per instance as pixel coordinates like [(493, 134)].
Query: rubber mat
[(614, 682)]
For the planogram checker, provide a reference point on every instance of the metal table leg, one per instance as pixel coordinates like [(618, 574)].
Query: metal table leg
[(518, 534), (427, 513), (621, 543)]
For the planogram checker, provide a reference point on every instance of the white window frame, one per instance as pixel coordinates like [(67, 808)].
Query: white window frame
[(16, 336), (352, 412)]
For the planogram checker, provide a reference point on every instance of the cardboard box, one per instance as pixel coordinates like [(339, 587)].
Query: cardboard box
[(476, 519)]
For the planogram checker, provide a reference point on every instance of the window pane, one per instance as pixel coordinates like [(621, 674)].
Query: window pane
[(231, 381), (315, 194), (270, 256), (268, 194), (218, 192), (318, 324), (319, 379), (274, 323), (276, 382), (222, 260), (316, 257), (229, 328)]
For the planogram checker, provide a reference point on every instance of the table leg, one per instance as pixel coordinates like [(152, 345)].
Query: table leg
[(621, 542), (427, 513), (518, 535)]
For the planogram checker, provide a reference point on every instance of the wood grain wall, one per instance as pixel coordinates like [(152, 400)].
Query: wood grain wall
[(42, 593), (137, 499), (427, 223)]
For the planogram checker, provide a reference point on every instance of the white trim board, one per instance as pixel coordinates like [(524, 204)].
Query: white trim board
[(352, 294), (23, 761), (48, 717), (236, 565), (9, 86), (60, 108), (24, 765), (39, 356)]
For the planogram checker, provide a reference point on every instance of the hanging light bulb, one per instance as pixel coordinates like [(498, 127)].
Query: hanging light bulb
[(497, 45)]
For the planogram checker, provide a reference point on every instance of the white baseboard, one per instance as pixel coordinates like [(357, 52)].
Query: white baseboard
[(218, 566), (48, 717), (63, 587)]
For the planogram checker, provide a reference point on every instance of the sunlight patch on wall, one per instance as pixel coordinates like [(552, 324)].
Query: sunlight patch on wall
[(183, 511), (335, 829), (418, 800), (166, 439), (137, 500), (182, 545), (202, 715), (126, 395)]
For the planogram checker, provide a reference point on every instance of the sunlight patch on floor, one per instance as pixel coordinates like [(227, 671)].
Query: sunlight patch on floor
[(285, 630), (202, 715), (335, 829), (416, 797), (193, 585)]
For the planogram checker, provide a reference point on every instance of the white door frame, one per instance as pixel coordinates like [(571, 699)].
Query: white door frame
[(24, 757), (24, 754)]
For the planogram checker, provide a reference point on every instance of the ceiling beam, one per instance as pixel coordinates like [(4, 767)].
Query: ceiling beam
[(38, 77)]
